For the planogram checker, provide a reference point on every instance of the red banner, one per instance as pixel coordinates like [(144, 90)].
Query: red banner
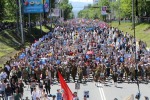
[(67, 94)]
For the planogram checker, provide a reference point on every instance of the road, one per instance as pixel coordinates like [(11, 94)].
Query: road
[(105, 91)]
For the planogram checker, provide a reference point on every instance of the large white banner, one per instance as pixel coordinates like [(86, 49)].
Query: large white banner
[(95, 1), (103, 10), (56, 12)]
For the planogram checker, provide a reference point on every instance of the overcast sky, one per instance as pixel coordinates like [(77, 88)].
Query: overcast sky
[(79, 5)]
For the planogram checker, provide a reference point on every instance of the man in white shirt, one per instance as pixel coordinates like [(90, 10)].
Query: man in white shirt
[(35, 95), (8, 67), (2, 87), (3, 75)]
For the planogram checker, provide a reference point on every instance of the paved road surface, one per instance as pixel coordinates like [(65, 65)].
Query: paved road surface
[(103, 92)]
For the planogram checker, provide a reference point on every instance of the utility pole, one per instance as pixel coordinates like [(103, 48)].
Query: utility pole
[(51, 16), (29, 27), (21, 24), (41, 22), (135, 55), (63, 13), (133, 16), (17, 18), (119, 12)]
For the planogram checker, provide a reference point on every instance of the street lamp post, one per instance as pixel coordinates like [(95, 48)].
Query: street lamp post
[(41, 23), (21, 24), (133, 14), (136, 66), (119, 12)]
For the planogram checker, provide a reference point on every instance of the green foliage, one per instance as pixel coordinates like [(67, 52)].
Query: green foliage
[(126, 8), (52, 3), (104, 3), (147, 7), (10, 7), (67, 8), (1, 9), (122, 8), (71, 15), (94, 11), (88, 13)]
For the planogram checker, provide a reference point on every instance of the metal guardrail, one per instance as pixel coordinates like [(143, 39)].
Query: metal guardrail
[(145, 19), (6, 25), (13, 25)]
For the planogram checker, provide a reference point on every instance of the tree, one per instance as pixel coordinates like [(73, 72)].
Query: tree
[(114, 8), (1, 9), (96, 16), (67, 8), (94, 11), (143, 8), (126, 8), (89, 5), (52, 3), (147, 8), (71, 15), (10, 7), (104, 3)]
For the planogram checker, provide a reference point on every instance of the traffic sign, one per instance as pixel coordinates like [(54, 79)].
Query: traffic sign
[(86, 94), (77, 86)]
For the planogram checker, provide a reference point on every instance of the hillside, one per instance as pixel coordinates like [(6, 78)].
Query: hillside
[(10, 42), (142, 31)]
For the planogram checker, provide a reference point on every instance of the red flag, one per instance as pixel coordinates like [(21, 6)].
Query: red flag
[(67, 95)]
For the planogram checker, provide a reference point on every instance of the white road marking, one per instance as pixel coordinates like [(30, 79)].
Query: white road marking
[(101, 91)]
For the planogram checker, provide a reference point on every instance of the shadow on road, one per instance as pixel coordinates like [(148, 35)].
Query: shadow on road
[(119, 87)]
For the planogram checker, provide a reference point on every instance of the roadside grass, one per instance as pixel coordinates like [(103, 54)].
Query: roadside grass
[(10, 41), (8, 20), (142, 31), (44, 28), (4, 49)]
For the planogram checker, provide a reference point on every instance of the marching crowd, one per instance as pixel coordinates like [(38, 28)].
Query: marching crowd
[(105, 52)]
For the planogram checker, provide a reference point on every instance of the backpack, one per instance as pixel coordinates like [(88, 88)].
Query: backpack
[(40, 85)]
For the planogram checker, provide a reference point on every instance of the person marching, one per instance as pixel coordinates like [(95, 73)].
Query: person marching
[(84, 70), (74, 71), (80, 74), (115, 76), (47, 85), (17, 95), (68, 73)]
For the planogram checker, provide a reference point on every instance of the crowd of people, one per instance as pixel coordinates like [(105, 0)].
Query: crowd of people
[(78, 48)]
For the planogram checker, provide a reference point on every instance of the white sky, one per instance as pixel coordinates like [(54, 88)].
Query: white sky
[(79, 5), (88, 1)]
